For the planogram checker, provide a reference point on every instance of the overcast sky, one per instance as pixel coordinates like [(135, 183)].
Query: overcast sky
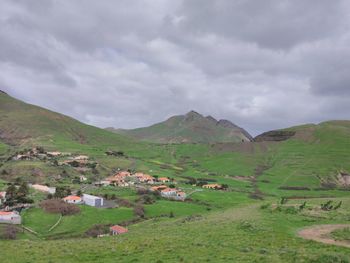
[(128, 63)]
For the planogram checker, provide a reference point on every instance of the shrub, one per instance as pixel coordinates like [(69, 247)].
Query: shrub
[(57, 206), (9, 232), (139, 211), (97, 230)]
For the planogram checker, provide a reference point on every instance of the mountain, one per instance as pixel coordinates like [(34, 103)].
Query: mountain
[(190, 128), (26, 124)]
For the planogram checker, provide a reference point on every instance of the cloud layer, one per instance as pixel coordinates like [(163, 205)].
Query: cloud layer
[(262, 64)]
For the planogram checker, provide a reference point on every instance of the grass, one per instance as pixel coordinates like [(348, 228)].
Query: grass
[(74, 225), (242, 234), (341, 234)]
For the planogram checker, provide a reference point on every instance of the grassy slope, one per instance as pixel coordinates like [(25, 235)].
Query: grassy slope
[(241, 234)]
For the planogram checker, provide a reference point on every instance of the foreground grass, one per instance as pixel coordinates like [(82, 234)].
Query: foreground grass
[(242, 234)]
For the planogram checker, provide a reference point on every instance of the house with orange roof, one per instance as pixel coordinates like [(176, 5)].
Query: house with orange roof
[(158, 188), (11, 217), (164, 180), (212, 186), (73, 199), (118, 230), (144, 178), (173, 193)]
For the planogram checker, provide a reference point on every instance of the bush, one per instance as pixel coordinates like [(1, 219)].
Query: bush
[(57, 206), (139, 211), (97, 230), (9, 232)]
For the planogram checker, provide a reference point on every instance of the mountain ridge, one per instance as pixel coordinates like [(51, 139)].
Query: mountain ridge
[(191, 127)]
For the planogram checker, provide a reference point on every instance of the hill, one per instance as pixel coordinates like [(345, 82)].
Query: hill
[(25, 124), (190, 128)]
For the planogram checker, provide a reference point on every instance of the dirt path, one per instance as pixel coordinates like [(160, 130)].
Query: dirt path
[(321, 233)]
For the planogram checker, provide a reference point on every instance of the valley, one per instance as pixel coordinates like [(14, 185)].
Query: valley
[(275, 185)]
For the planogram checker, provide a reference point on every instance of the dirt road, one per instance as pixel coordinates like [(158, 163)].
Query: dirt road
[(321, 233)]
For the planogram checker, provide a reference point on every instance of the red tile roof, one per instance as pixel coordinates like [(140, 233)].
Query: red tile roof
[(118, 229), (72, 198), (6, 213)]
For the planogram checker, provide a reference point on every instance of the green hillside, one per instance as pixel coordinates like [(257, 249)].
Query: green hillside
[(189, 128), (245, 223)]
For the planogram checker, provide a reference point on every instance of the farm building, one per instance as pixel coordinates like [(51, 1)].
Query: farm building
[(10, 218), (212, 186), (117, 230), (93, 200), (2, 197), (73, 199), (144, 178), (164, 180), (43, 188), (53, 154)]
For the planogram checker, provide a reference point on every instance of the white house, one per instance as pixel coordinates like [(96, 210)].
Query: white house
[(93, 200), (73, 199), (10, 218), (2, 197)]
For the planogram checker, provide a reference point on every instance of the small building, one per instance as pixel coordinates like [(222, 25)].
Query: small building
[(92, 200), (158, 188), (212, 186), (117, 230), (73, 199), (164, 180), (181, 196), (168, 192), (81, 158), (144, 178), (43, 188), (10, 218), (2, 197), (54, 154)]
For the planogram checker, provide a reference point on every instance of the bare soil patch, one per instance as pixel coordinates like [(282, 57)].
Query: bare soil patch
[(321, 233)]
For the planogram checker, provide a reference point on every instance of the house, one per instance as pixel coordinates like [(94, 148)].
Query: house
[(10, 218), (117, 230), (81, 158), (73, 199), (163, 180), (158, 188), (168, 192), (54, 154), (144, 178), (2, 197), (43, 188), (91, 200), (181, 196), (212, 186)]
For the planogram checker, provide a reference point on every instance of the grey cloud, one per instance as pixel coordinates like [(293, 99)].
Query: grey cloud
[(262, 64)]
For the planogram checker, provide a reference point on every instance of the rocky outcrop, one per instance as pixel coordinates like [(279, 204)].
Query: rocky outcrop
[(275, 136)]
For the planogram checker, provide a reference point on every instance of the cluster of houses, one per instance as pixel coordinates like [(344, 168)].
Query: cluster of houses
[(124, 179), (8, 217), (38, 153)]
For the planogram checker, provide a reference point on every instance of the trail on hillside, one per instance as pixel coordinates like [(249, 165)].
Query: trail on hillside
[(321, 233)]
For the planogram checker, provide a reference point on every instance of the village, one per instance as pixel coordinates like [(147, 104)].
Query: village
[(162, 187)]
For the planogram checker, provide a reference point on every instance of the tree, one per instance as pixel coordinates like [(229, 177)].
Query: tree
[(79, 193), (11, 191), (23, 190)]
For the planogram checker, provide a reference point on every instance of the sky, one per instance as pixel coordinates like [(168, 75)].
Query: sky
[(263, 65)]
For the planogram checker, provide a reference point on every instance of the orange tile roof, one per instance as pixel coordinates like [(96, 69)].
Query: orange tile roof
[(2, 213), (163, 178), (118, 229), (72, 198)]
